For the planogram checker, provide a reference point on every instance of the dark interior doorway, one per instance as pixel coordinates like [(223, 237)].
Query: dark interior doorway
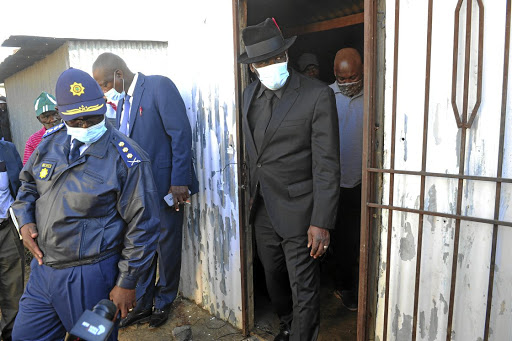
[(325, 44), (322, 28)]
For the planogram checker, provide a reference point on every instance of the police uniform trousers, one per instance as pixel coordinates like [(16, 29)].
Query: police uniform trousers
[(292, 277), (54, 299), (11, 276), (168, 260), (345, 239)]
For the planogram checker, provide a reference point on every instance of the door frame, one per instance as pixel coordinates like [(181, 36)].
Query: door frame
[(366, 281)]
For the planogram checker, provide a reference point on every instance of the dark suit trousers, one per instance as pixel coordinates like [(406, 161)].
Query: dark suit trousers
[(345, 239), (292, 277), (11, 277), (168, 258)]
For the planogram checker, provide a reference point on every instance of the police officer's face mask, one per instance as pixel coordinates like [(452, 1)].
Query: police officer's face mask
[(88, 135)]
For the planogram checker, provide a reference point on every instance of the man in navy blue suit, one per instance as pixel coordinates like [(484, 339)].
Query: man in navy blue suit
[(153, 114)]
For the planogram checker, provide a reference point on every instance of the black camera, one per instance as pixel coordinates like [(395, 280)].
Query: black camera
[(95, 325)]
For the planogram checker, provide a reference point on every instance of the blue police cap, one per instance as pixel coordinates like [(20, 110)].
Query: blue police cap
[(78, 95)]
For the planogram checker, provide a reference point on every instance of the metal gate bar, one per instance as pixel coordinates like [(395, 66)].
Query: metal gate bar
[(442, 215), (440, 175), (423, 169), (462, 156), (499, 172), (392, 164)]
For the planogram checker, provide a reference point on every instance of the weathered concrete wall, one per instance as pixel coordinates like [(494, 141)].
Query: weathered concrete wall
[(443, 156)]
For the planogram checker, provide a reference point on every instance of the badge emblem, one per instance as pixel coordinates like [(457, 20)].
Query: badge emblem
[(77, 89), (44, 173), (46, 170)]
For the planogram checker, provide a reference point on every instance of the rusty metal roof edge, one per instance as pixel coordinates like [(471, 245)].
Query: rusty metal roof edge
[(22, 40), (35, 48)]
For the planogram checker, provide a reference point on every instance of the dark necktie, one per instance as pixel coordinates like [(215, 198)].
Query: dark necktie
[(75, 150), (123, 128), (263, 120)]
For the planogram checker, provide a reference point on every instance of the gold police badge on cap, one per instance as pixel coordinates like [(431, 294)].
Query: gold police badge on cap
[(77, 89)]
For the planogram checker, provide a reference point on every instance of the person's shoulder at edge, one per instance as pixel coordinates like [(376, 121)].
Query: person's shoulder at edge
[(7, 144)]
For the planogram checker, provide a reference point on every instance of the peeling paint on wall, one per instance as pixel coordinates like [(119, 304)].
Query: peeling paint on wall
[(402, 326), (407, 245), (211, 247)]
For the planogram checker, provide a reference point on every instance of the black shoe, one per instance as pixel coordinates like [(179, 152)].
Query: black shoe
[(348, 299), (135, 317), (158, 318), (284, 333)]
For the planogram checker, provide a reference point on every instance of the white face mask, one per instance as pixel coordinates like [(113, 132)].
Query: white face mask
[(88, 135), (113, 95), (273, 76)]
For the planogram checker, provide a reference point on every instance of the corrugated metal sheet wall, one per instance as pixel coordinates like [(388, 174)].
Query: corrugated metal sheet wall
[(146, 57), (211, 247), (203, 70), (23, 88), (210, 263)]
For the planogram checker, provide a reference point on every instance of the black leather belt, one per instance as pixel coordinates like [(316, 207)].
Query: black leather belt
[(88, 260)]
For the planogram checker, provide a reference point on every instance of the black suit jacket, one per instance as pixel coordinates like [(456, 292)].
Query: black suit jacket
[(297, 170)]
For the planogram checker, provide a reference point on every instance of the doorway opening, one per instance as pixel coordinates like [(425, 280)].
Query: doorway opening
[(322, 28)]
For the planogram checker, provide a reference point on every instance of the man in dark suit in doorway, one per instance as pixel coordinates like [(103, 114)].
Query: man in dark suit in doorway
[(291, 131)]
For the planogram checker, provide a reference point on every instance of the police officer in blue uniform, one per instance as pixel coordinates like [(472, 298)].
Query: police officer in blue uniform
[(88, 211)]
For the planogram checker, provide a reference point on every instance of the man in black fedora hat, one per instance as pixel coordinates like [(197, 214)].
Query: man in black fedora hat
[(291, 131)]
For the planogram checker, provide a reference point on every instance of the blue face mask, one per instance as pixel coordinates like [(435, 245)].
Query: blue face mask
[(88, 135), (113, 95), (273, 76)]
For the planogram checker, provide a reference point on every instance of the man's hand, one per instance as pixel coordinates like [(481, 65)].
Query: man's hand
[(124, 299), (318, 239), (180, 195), (29, 234)]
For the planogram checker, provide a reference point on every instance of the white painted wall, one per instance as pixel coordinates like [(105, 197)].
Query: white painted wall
[(201, 63), (443, 148)]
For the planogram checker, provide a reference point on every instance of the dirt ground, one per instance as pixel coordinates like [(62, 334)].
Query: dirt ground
[(336, 322), (184, 312)]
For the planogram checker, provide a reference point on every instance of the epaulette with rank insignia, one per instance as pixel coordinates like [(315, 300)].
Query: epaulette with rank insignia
[(53, 130), (130, 157)]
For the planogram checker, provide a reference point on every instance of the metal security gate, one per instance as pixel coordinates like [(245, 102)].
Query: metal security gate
[(437, 190)]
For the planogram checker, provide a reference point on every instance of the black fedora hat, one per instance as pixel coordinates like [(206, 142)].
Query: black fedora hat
[(263, 41)]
